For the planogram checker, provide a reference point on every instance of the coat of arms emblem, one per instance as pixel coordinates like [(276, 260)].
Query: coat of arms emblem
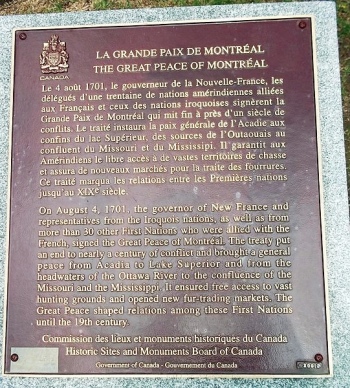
[(54, 57)]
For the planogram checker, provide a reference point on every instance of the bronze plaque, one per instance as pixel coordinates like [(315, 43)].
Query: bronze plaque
[(165, 211)]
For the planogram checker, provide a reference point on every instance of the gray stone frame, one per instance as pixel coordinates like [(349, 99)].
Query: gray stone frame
[(336, 211)]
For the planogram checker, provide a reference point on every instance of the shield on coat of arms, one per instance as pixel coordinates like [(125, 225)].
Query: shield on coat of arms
[(54, 58)]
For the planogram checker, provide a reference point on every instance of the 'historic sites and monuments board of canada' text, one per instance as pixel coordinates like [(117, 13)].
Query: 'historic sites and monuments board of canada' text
[(165, 203)]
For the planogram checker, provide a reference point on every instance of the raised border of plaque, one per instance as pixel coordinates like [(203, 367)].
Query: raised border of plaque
[(194, 59), (322, 122)]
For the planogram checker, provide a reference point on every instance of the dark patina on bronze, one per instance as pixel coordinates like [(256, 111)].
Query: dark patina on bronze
[(140, 335)]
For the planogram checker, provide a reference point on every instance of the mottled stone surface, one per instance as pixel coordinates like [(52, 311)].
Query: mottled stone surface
[(333, 174)]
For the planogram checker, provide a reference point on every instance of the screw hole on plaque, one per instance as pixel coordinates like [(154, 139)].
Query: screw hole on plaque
[(14, 357), (23, 36), (318, 357), (302, 25)]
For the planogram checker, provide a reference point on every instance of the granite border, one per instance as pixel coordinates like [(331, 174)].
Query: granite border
[(333, 173)]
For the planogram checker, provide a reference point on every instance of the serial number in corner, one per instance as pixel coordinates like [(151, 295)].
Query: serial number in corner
[(308, 365)]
